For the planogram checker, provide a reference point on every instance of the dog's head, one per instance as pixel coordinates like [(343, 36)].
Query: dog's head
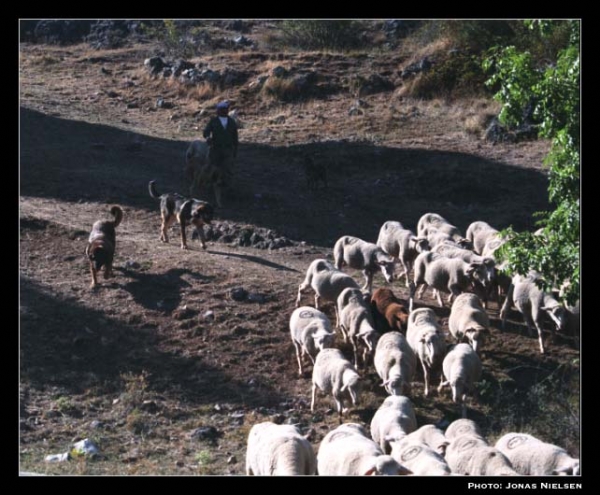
[(202, 214)]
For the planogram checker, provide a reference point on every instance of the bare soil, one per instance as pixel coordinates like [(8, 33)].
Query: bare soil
[(160, 365)]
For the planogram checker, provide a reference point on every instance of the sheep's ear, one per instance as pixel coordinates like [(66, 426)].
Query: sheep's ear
[(371, 471)]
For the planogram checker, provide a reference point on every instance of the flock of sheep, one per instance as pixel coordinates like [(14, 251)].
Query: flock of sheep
[(397, 338)]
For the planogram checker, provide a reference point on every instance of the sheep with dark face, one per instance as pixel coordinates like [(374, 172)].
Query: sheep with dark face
[(402, 245), (531, 456), (365, 256), (311, 332), (395, 363), (356, 323), (426, 339), (532, 302), (462, 370), (469, 320)]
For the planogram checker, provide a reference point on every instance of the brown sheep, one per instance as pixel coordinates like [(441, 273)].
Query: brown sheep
[(389, 312)]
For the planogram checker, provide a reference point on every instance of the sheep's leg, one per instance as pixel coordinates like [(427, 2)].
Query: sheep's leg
[(317, 299), (407, 268), (442, 385), (421, 289), (301, 289), (538, 326), (354, 343), (299, 358), (506, 306), (344, 334), (368, 281), (314, 393), (438, 296), (425, 378)]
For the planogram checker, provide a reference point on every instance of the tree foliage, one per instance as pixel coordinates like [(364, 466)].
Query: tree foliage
[(550, 96)]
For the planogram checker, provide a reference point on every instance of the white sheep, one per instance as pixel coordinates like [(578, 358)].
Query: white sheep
[(348, 451), (463, 426), (451, 275), (334, 374), (431, 436), (311, 332), (279, 450), (462, 370), (484, 237), (356, 323), (472, 456), (421, 459), (531, 456), (532, 302), (402, 245), (450, 250), (326, 281), (426, 338), (437, 229), (394, 419), (365, 256), (395, 363), (468, 319)]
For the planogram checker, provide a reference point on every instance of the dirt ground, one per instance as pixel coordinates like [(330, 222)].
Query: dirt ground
[(161, 366)]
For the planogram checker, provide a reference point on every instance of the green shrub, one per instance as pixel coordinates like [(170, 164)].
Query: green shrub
[(459, 75)]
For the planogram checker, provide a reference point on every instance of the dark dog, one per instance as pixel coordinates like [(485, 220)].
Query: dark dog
[(186, 211), (102, 243)]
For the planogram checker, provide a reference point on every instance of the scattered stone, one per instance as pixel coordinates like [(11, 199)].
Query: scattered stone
[(132, 105), (355, 111), (239, 330), (257, 298), (161, 103), (132, 265), (96, 424), (180, 66), (206, 434), (209, 315), (179, 463), (279, 71), (421, 66), (154, 65), (112, 94), (238, 294), (243, 41), (232, 460)]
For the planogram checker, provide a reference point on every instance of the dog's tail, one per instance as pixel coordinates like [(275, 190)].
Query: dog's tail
[(117, 212), (152, 190)]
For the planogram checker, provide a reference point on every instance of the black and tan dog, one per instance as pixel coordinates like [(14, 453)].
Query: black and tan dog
[(102, 244), (186, 211)]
